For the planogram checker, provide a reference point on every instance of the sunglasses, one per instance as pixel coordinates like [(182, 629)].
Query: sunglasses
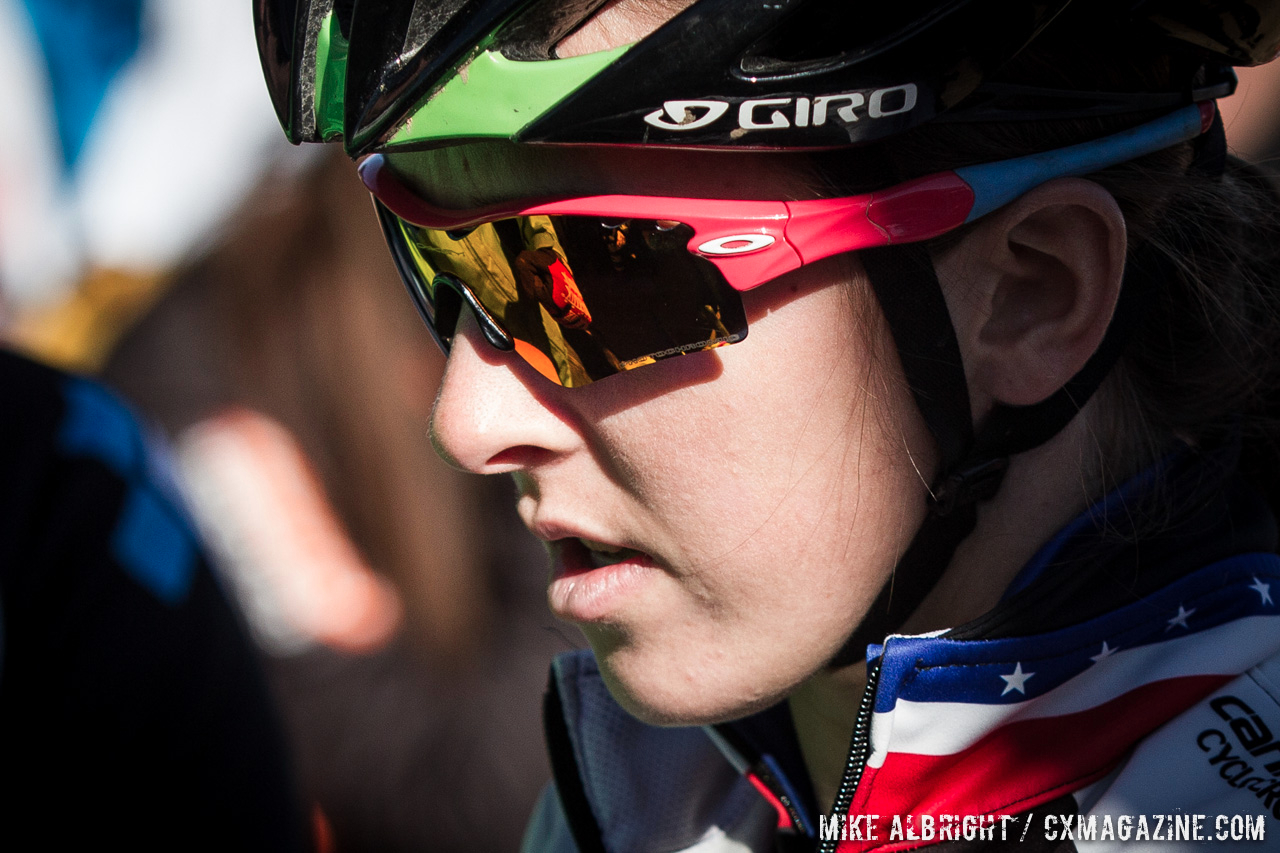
[(585, 288)]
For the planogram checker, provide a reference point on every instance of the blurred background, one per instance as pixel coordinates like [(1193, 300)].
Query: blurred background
[(156, 231)]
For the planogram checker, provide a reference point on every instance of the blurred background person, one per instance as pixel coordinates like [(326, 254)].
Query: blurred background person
[(236, 290), (399, 604), (132, 706)]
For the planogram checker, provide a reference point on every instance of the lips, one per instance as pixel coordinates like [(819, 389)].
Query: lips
[(591, 580)]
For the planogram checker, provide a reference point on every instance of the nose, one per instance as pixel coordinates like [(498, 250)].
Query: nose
[(494, 414)]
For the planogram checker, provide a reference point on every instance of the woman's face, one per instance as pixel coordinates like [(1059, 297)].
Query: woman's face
[(719, 522)]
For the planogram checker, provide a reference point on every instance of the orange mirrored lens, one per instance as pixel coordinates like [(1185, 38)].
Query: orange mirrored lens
[(583, 298)]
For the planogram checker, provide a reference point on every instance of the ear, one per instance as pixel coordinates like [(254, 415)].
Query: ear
[(1031, 290)]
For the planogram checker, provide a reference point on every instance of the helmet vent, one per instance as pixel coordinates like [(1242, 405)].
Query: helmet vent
[(824, 34), (533, 34), (426, 19), (343, 10)]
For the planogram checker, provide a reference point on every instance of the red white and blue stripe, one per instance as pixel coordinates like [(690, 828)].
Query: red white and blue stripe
[(999, 726)]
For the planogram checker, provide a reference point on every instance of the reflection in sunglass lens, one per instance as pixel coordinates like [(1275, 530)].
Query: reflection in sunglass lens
[(579, 299)]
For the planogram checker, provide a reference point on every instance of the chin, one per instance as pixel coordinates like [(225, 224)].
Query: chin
[(679, 689)]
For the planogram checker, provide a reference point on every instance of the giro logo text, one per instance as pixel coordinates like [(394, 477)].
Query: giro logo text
[(782, 113)]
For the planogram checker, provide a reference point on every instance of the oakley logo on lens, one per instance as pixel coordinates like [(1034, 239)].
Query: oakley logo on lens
[(782, 113), (737, 244)]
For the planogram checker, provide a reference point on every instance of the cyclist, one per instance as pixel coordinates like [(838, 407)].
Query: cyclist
[(969, 540)]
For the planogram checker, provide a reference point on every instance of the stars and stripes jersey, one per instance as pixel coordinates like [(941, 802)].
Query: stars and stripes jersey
[(1123, 695), (132, 707)]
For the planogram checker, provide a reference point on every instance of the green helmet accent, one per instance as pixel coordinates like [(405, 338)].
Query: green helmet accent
[(495, 97), (331, 75)]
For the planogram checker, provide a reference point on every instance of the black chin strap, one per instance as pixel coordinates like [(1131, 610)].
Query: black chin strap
[(970, 467), (907, 288)]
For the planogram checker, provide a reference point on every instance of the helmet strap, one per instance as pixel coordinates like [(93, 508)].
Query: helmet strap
[(970, 467), (906, 286)]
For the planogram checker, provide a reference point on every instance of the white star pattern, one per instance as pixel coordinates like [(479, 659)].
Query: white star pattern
[(1106, 652), (1263, 589), (1180, 619), (1016, 680)]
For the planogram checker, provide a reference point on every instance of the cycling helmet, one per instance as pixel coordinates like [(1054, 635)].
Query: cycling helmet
[(391, 74), (402, 75)]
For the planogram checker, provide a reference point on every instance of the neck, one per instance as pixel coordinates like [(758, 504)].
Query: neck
[(1043, 490), (824, 710)]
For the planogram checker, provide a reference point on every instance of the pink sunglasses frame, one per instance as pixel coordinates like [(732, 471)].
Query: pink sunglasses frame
[(752, 242)]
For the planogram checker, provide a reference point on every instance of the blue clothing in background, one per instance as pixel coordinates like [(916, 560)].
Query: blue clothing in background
[(85, 43), (132, 706)]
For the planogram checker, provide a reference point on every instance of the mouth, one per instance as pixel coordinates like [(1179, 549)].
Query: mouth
[(591, 580), (601, 555)]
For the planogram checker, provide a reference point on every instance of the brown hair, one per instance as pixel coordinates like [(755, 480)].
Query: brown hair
[(1204, 359)]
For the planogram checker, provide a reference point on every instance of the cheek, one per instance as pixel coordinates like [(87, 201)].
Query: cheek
[(781, 494), (799, 435)]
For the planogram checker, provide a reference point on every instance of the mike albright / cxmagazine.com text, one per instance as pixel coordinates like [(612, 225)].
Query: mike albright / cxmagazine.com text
[(1050, 827)]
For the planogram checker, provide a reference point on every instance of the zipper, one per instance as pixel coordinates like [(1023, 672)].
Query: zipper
[(859, 751)]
